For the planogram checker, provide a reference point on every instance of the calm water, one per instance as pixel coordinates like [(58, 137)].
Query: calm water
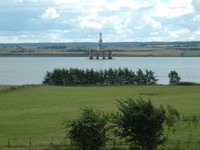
[(31, 70)]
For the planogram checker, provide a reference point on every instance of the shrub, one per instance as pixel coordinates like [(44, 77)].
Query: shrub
[(88, 132)]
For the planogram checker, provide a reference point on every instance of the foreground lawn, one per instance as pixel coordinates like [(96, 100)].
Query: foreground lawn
[(37, 111)]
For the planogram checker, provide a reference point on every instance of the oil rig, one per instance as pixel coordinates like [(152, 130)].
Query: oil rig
[(100, 51)]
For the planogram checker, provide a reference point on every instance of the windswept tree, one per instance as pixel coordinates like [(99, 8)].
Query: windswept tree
[(140, 123), (140, 79), (150, 78), (89, 131), (173, 77)]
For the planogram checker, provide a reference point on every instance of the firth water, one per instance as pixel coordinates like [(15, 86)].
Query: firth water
[(31, 70)]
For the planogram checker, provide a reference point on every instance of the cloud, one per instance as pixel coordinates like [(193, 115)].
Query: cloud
[(78, 20), (17, 39), (30, 1), (153, 23), (90, 24), (64, 1), (19, 1), (196, 5), (172, 9), (196, 18), (50, 13), (180, 33), (118, 4)]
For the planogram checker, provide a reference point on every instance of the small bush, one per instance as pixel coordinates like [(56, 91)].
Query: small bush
[(88, 132)]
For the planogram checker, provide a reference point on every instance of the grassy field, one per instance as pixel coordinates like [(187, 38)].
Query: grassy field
[(36, 111)]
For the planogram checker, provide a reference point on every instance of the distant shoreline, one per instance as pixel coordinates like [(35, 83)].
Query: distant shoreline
[(120, 49)]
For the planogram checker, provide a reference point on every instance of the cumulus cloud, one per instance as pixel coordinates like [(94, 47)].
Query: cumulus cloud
[(50, 13), (173, 8), (30, 1), (196, 18), (127, 20), (64, 1), (180, 33), (90, 24), (155, 24), (196, 5), (19, 1)]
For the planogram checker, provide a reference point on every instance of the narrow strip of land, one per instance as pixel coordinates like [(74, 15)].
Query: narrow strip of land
[(120, 49)]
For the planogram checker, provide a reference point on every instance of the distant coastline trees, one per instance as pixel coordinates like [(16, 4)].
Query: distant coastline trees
[(173, 77), (75, 76)]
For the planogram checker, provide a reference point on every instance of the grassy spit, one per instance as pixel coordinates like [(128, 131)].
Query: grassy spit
[(34, 113)]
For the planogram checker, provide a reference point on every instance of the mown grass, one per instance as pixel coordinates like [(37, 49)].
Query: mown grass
[(37, 111)]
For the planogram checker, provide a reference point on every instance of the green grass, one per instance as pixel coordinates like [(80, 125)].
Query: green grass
[(37, 111), (191, 53)]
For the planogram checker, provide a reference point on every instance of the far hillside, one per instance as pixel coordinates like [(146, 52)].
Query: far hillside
[(120, 49)]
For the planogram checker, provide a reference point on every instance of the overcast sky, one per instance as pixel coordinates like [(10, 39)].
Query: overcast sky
[(82, 20)]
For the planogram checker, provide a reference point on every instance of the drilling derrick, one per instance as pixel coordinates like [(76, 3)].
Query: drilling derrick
[(101, 46), (100, 50), (100, 41)]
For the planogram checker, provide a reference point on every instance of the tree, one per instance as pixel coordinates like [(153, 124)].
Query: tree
[(150, 78), (140, 123), (48, 78), (111, 76), (88, 132), (140, 77), (57, 77), (173, 77)]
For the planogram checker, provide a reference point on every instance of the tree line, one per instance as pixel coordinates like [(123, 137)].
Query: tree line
[(120, 76)]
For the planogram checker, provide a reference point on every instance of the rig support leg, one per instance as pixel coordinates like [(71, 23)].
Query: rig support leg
[(97, 55), (91, 54), (110, 54)]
